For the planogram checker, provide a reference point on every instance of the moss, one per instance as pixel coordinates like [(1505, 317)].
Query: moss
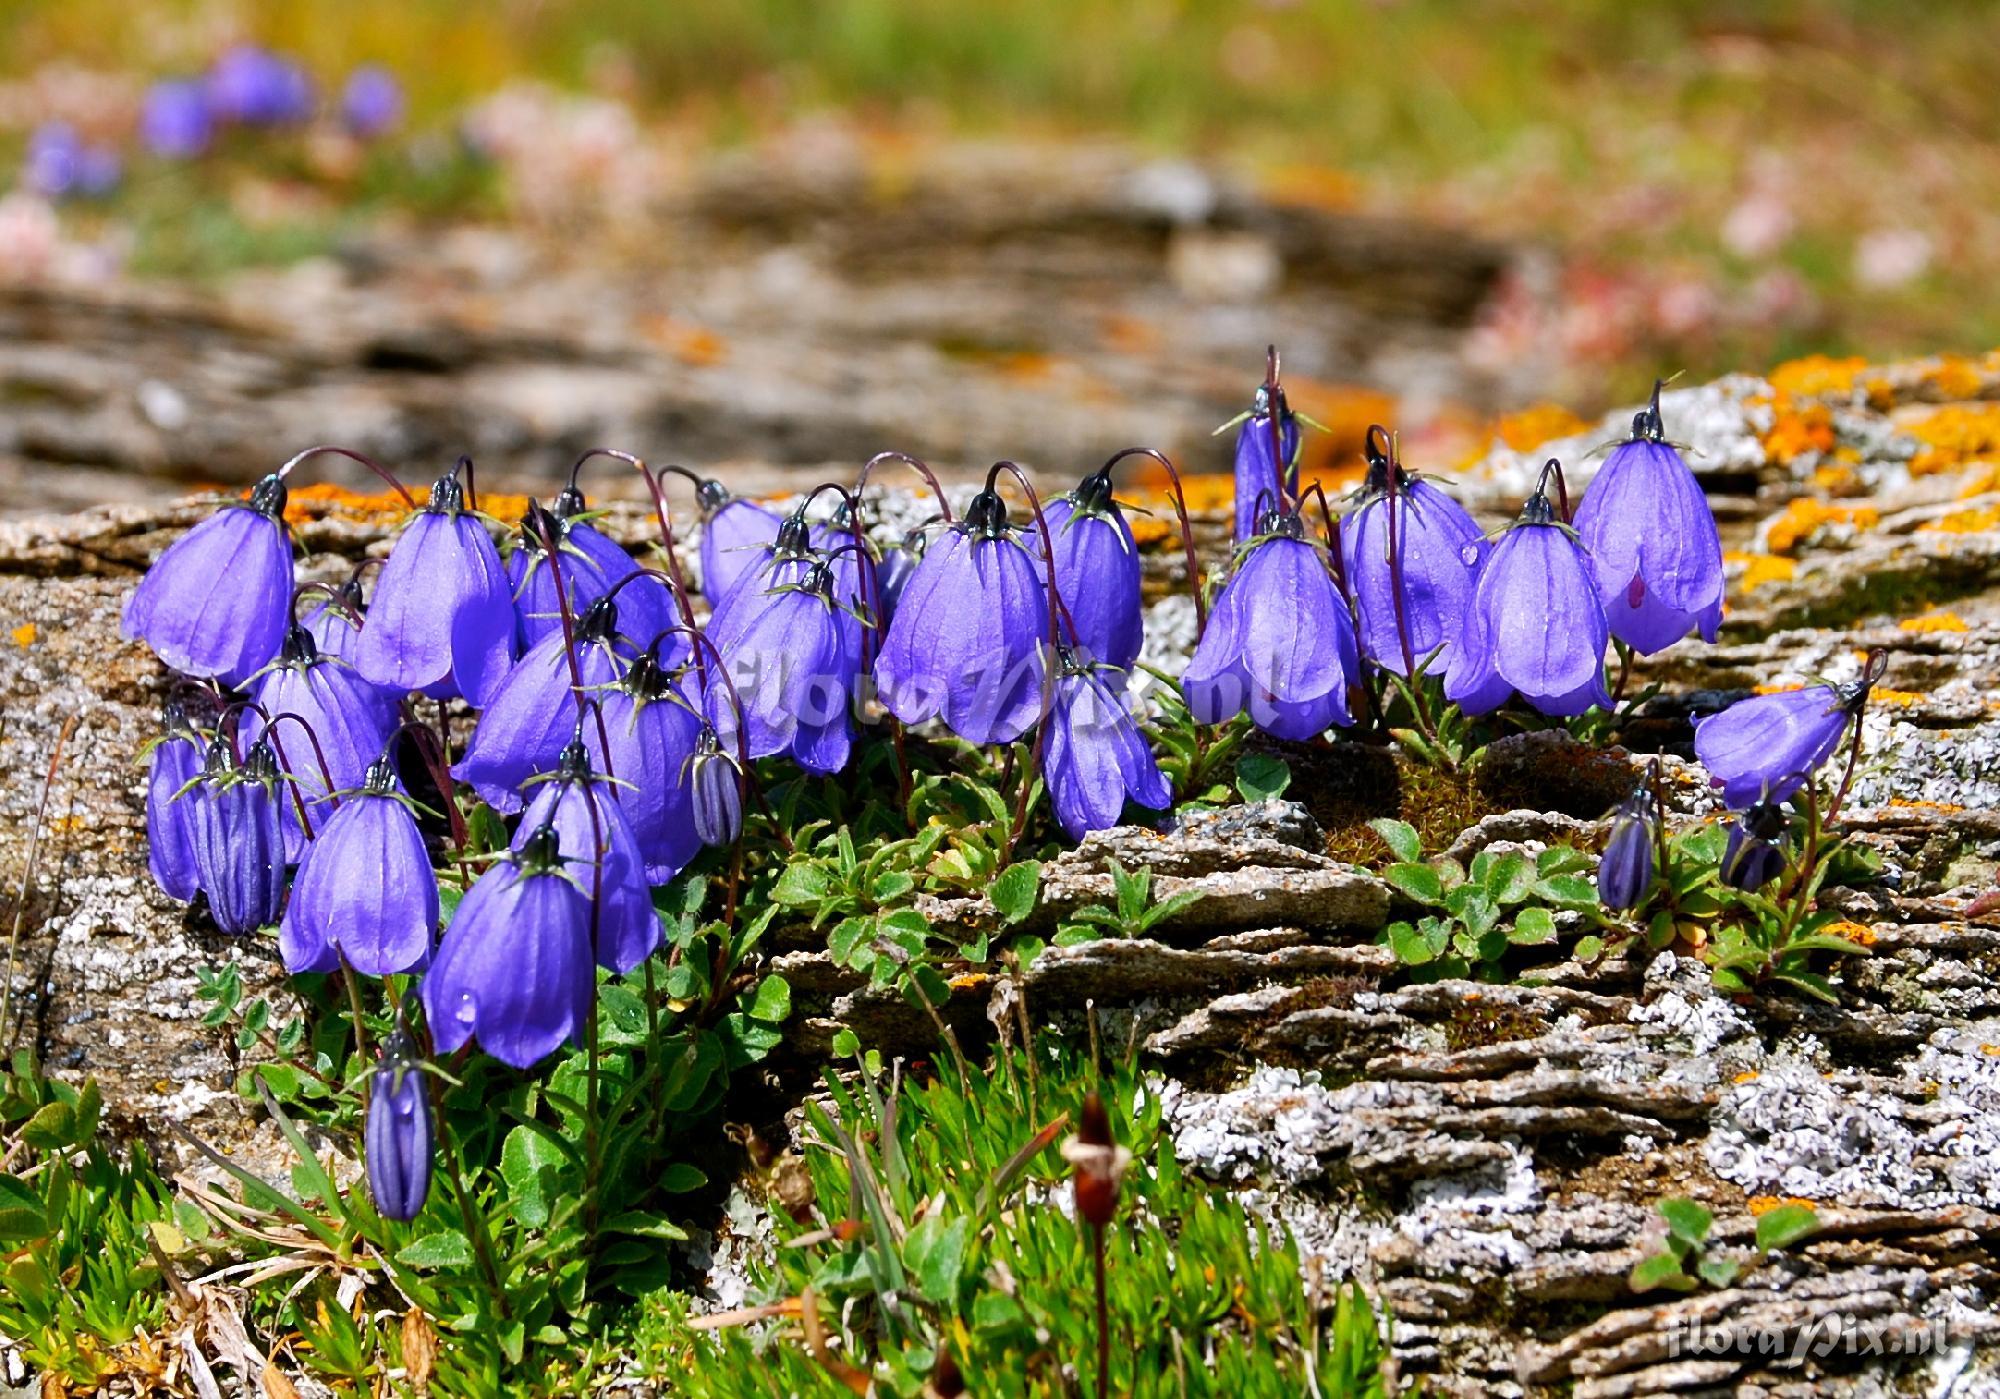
[(1477, 1024)]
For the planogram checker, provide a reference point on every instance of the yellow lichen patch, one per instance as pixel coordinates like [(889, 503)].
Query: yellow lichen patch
[(690, 344), (1953, 376), (1979, 481), (1902, 699), (1312, 187), (1837, 478), (1774, 689), (1345, 412), (1759, 569), (24, 635), (322, 499), (1992, 1050), (1958, 435), (1860, 934), (1761, 1205), (1934, 622), (1797, 430), (1146, 484), (1918, 804), (1538, 423), (1970, 521), (1747, 1076), (1816, 375), (1805, 517), (968, 980)]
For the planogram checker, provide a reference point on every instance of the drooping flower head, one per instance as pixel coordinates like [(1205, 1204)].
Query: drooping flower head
[(1260, 488), (443, 617), (397, 1142), (1280, 643), (335, 625), (371, 102), (898, 564), (850, 556), (715, 784), (965, 643), (589, 821), (1768, 746), (1754, 854), (1625, 871), (365, 891), (174, 120), (1652, 541), (1097, 571), (239, 837), (257, 87), (341, 721), (591, 566), (793, 651), (1535, 625), (171, 794), (732, 529), (1436, 558), (652, 729), (532, 714), (514, 968), (217, 602), (1095, 759), (781, 561)]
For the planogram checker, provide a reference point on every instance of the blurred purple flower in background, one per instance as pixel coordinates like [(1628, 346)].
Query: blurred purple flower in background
[(175, 122), (60, 163), (371, 104), (253, 86)]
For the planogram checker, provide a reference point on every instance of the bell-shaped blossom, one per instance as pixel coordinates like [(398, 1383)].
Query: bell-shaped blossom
[(171, 795), (174, 120), (371, 102), (1754, 854), (1535, 624), (589, 821), (715, 791), (652, 730), (1257, 484), (856, 573), (534, 712), (218, 601), (731, 533), (965, 644), (1094, 758), (794, 653), (239, 838), (443, 616), (1652, 541), (397, 1141), (894, 572), (1625, 872), (513, 970), (1769, 745), (343, 721), (783, 561), (365, 892), (1279, 643), (591, 567), (335, 624), (1097, 571), (257, 87), (1440, 551)]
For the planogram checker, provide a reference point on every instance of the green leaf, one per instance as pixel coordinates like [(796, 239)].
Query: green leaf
[(1660, 1270), (773, 1002), (800, 885), (847, 935), (889, 886), (1532, 927), (745, 1041), (1412, 949), (1015, 889), (21, 1214), (1688, 1220), (1785, 1226), (446, 1249), (1418, 882), (529, 1162), (1718, 1272), (679, 1178), (1569, 891), (934, 1253), (1260, 777), (51, 1129), (846, 1044), (1510, 879), (1400, 836), (1589, 948)]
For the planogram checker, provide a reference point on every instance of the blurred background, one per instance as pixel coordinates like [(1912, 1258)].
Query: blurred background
[(767, 237)]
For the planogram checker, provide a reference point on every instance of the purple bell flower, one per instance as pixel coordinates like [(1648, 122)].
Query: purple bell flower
[(586, 813), (350, 718), (1097, 571), (256, 87), (535, 710), (782, 562), (591, 567), (715, 791), (443, 617), (965, 645), (732, 530), (652, 731), (60, 163), (218, 601), (514, 970), (1753, 856), (1652, 540), (175, 762), (1257, 491), (239, 838), (856, 575), (794, 653), (365, 890), (397, 1141), (1095, 758), (175, 122), (1625, 871), (1442, 550), (1279, 643), (1769, 745), (335, 625), (894, 572), (371, 103), (1535, 624)]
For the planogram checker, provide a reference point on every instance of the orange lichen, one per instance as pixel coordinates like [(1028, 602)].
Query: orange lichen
[(1805, 517), (1761, 1205), (1953, 376), (1538, 423), (24, 635), (1798, 429), (1970, 521), (1838, 478), (1860, 934), (1312, 187), (1919, 804), (1933, 622), (321, 499), (1747, 1076), (1958, 435), (1774, 689), (690, 344), (1759, 569), (1816, 375), (1902, 699), (1147, 485)]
